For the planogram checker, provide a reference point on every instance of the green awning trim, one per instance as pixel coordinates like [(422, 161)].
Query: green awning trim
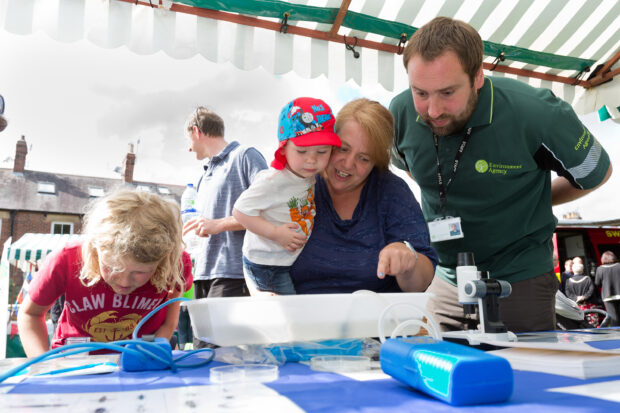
[(520, 54), (269, 8), (371, 24)]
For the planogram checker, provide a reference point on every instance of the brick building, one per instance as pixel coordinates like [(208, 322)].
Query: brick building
[(49, 203)]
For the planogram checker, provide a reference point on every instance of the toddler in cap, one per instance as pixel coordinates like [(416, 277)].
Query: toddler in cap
[(278, 209)]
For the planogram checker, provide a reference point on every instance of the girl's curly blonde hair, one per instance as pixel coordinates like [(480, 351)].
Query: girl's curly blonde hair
[(139, 225)]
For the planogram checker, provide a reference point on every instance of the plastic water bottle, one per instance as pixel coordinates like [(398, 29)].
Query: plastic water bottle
[(188, 212)]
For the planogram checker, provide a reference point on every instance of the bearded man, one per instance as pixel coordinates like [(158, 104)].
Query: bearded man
[(482, 150)]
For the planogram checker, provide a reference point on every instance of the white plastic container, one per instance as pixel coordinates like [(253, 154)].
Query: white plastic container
[(243, 373), (230, 321), (340, 364)]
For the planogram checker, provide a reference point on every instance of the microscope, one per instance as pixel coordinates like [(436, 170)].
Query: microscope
[(475, 287), (456, 374)]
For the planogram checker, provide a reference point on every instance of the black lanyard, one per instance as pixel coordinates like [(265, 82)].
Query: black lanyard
[(443, 190)]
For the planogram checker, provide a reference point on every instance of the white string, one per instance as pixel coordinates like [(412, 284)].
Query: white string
[(387, 304), (432, 327), (420, 323), (384, 301)]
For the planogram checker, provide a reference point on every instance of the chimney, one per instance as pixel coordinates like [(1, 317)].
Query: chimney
[(21, 149), (128, 163)]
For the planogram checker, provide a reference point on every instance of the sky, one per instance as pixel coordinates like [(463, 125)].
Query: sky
[(79, 106)]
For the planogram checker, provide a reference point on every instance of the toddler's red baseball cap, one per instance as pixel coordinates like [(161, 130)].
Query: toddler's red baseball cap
[(308, 122)]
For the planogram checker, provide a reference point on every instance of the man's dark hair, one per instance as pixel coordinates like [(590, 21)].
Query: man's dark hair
[(443, 34), (207, 121)]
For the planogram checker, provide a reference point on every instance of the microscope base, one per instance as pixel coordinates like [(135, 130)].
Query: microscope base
[(477, 337)]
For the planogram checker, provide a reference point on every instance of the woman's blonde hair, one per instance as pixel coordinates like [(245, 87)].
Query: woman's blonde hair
[(139, 225), (378, 124)]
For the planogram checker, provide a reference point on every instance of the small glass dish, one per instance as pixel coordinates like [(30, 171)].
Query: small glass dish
[(244, 373), (340, 364)]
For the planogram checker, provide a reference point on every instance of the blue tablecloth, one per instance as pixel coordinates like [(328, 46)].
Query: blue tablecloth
[(328, 392)]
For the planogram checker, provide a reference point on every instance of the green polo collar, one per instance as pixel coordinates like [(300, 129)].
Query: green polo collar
[(483, 115)]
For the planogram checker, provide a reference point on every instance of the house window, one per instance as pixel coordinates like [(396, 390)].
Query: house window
[(95, 191), (46, 188), (62, 227)]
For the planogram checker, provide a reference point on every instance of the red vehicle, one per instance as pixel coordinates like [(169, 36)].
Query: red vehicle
[(585, 239)]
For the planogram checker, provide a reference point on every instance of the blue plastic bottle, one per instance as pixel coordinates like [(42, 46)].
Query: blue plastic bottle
[(454, 373)]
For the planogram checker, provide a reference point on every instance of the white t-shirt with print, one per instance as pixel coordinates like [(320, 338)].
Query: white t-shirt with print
[(280, 197)]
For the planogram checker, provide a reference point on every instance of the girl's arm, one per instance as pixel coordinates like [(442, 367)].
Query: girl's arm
[(32, 328), (172, 317)]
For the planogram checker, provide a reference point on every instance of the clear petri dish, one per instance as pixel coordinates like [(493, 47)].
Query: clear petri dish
[(340, 364), (244, 373)]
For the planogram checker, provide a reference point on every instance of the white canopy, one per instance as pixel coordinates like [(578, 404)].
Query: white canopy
[(31, 247), (560, 28)]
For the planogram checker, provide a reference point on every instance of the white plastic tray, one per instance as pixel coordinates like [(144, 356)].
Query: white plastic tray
[(240, 373), (230, 321)]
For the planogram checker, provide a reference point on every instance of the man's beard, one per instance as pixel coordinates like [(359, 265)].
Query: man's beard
[(456, 123)]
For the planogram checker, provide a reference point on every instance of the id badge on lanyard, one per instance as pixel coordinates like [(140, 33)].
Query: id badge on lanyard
[(443, 229), (447, 228)]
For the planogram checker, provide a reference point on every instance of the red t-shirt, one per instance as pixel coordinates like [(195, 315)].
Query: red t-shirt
[(96, 312)]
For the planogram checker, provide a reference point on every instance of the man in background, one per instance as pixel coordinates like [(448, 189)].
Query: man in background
[(608, 279), (229, 169), (568, 272)]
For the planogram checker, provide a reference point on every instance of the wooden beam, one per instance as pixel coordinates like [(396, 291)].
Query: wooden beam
[(344, 7), (536, 75), (604, 74), (315, 34), (610, 63), (597, 80)]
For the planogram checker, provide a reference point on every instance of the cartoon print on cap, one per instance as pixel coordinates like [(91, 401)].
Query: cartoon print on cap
[(305, 122)]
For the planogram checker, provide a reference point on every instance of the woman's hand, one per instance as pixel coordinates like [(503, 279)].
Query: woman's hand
[(288, 237), (395, 258), (412, 274)]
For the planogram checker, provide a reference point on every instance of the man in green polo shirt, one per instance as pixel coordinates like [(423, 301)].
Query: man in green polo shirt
[(481, 149)]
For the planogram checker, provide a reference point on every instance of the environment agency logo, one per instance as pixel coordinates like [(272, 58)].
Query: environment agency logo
[(481, 166)]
